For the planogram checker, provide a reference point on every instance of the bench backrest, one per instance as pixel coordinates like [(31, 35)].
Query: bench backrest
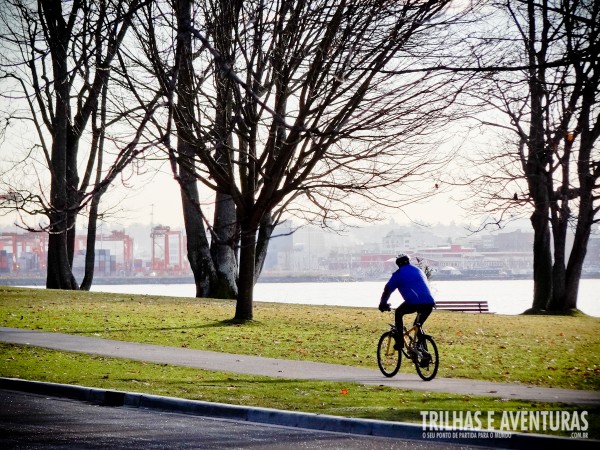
[(464, 306)]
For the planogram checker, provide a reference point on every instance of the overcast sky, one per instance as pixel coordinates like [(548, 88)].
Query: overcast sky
[(157, 199), (154, 197)]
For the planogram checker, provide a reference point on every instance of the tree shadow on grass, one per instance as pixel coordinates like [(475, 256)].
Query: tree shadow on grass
[(219, 324)]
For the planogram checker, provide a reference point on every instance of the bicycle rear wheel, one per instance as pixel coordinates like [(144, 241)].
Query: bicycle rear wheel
[(427, 361), (388, 359)]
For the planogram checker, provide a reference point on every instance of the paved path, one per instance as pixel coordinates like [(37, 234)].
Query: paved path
[(281, 368)]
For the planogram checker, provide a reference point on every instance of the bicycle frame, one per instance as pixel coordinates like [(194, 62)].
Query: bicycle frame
[(410, 336)]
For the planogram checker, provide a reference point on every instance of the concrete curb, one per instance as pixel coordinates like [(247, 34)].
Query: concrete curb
[(311, 421)]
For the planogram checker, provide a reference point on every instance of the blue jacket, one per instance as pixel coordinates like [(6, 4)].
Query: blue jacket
[(412, 284)]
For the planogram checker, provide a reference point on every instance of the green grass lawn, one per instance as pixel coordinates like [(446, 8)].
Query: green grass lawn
[(540, 350)]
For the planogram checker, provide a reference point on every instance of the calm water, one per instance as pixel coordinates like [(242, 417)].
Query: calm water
[(504, 297)]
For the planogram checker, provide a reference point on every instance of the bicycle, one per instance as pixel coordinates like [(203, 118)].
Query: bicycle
[(418, 347)]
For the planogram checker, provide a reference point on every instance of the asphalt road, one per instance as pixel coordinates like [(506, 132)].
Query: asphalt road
[(30, 421)]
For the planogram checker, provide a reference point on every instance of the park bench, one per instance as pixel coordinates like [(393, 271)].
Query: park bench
[(474, 306)]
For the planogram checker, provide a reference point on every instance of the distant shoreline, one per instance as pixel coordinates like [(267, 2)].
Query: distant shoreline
[(41, 281)]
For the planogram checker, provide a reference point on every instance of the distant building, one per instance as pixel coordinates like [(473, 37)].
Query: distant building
[(455, 259), (397, 241), (405, 239), (515, 241)]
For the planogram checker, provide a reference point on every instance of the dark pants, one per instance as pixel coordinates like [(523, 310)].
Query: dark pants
[(406, 308)]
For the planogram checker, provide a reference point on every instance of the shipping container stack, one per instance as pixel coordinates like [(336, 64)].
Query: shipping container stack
[(5, 259)]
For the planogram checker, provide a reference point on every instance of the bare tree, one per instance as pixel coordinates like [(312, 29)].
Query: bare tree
[(59, 61), (180, 71), (321, 124), (224, 228), (550, 163)]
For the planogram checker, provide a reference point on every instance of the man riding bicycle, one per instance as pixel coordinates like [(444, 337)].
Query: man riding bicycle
[(412, 285)]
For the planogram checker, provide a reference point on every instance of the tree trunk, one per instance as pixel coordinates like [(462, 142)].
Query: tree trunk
[(59, 275), (223, 248), (574, 269), (585, 221), (90, 247), (264, 235), (244, 305), (588, 181), (542, 260), (560, 224), (72, 191), (225, 230), (559, 281), (198, 251)]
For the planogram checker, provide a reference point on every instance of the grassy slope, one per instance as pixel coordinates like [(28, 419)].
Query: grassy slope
[(541, 350), (547, 351)]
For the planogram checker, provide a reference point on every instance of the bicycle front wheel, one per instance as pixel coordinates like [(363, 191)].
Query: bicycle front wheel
[(388, 358), (427, 361)]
